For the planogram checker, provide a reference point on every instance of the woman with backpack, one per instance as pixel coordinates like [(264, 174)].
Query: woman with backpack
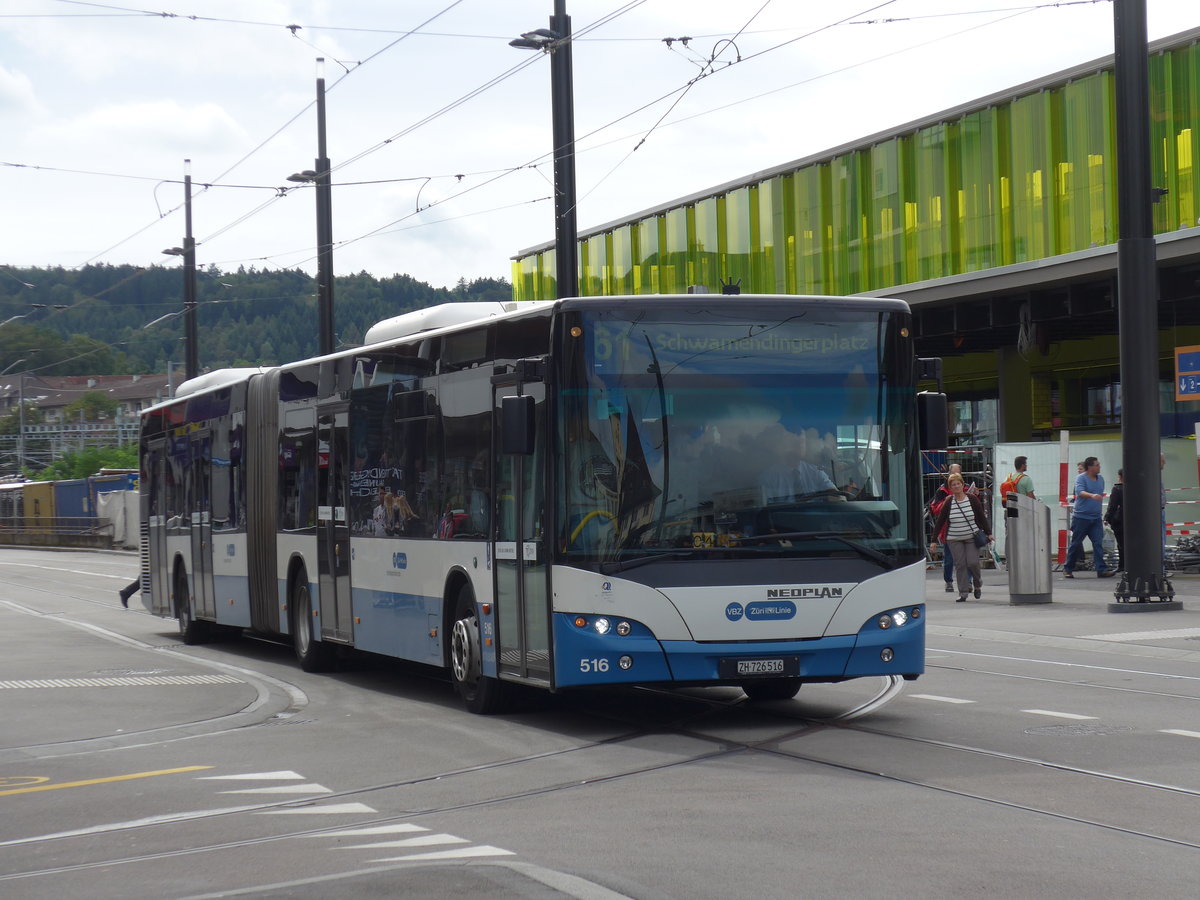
[(963, 517)]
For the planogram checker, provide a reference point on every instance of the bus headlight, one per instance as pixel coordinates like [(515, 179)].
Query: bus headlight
[(625, 662), (885, 622), (899, 617), (886, 654), (602, 625), (623, 628)]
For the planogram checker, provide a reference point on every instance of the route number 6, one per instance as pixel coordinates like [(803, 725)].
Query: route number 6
[(593, 665)]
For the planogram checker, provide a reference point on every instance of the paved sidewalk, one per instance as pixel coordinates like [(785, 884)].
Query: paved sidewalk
[(1078, 610)]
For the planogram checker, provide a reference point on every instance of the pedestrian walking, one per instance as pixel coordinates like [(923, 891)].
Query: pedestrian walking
[(1087, 521), (128, 591), (963, 518), (1114, 517), (935, 506)]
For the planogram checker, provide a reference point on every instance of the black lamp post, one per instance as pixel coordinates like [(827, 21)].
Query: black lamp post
[(556, 40), (319, 176), (188, 252), (1137, 312)]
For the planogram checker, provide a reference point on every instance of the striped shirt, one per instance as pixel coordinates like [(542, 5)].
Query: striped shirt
[(960, 525)]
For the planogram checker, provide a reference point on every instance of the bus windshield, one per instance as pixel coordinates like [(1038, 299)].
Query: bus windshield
[(743, 429)]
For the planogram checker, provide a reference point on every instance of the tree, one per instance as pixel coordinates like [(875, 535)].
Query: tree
[(95, 405), (82, 463), (11, 424)]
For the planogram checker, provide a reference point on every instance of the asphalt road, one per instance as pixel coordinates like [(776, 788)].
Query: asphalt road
[(1048, 751)]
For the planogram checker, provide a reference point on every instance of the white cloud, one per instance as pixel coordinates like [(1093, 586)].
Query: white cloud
[(154, 127), (17, 96)]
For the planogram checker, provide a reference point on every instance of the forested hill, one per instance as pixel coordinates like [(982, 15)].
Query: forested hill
[(95, 320)]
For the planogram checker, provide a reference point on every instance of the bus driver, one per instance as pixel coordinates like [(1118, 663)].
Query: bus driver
[(796, 478)]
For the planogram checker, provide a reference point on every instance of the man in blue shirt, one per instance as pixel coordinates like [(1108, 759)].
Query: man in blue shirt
[(1087, 521)]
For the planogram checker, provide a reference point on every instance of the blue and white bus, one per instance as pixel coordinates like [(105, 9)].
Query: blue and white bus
[(667, 490)]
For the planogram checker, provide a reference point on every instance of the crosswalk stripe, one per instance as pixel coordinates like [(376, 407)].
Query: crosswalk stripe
[(465, 853), (333, 809), (424, 840), (284, 789), (1057, 715)]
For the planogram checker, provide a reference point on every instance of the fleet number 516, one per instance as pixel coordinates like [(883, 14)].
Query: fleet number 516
[(593, 665)]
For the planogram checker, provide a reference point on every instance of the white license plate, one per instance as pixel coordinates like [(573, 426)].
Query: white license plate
[(760, 666)]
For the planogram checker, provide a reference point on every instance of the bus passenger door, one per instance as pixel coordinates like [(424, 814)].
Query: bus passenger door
[(154, 519), (200, 512), (333, 528), (522, 559)]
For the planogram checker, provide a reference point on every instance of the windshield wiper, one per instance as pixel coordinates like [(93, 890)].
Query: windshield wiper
[(861, 549), (611, 568)]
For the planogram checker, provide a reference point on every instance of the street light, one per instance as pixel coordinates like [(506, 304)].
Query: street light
[(13, 366), (20, 412), (556, 41), (319, 176), (170, 315), (14, 277), (191, 365)]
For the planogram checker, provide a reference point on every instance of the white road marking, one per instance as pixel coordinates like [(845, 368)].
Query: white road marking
[(939, 699), (333, 809), (56, 569), (119, 681), (465, 853), (1057, 715), (402, 828), (1164, 635), (1181, 732), (256, 776), (424, 840), (284, 789), (167, 819)]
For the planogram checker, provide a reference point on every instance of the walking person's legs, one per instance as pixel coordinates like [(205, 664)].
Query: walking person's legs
[(961, 573), (1075, 549), (974, 567), (1095, 534)]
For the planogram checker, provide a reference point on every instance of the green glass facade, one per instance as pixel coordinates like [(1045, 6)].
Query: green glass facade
[(1025, 179)]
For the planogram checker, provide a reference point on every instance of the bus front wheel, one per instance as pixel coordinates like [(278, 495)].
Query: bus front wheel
[(314, 655), (481, 694), (771, 689)]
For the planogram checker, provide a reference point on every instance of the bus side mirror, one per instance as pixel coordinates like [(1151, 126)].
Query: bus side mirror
[(931, 421), (516, 425)]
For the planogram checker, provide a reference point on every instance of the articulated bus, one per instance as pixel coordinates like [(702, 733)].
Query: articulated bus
[(663, 490)]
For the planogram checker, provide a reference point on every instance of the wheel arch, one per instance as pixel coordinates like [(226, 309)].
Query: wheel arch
[(179, 567), (297, 568), (456, 579)]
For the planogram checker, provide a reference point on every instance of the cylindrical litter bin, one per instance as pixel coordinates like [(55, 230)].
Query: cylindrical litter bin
[(1027, 543)]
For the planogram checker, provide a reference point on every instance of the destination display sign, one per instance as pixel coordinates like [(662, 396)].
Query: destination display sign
[(1187, 373)]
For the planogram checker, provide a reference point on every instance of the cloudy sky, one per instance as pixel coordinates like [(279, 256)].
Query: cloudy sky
[(439, 132)]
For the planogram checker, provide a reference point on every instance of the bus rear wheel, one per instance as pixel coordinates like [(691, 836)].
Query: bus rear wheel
[(771, 689), (314, 655), (479, 693), (191, 629)]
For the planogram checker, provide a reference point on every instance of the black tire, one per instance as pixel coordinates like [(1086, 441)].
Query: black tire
[(481, 695), (313, 655), (191, 630), (771, 689)]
